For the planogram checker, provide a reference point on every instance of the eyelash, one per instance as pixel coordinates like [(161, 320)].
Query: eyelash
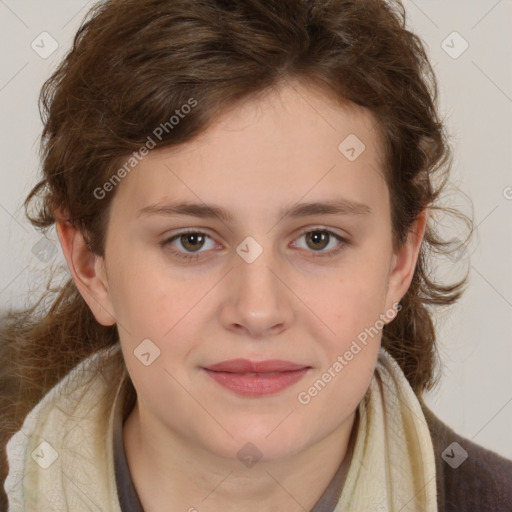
[(316, 254)]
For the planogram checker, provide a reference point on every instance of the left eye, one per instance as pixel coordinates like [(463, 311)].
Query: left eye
[(320, 239)]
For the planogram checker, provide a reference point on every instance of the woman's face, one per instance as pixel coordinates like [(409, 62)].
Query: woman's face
[(289, 258)]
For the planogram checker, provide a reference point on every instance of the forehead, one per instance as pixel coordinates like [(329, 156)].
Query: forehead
[(291, 142)]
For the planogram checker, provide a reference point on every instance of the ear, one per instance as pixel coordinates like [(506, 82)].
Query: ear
[(404, 260), (87, 270)]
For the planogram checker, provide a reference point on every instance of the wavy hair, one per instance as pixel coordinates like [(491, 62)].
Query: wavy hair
[(134, 62)]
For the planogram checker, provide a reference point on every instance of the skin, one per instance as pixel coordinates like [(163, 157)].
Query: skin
[(293, 303)]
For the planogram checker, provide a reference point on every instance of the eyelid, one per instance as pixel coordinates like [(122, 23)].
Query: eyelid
[(343, 241), (309, 229), (198, 231)]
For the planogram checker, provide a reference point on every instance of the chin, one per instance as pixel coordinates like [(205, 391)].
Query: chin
[(265, 442)]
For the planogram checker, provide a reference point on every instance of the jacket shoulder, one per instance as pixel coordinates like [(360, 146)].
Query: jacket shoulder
[(469, 477)]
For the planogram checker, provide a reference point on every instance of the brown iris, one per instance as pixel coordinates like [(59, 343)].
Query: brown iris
[(192, 241), (319, 239)]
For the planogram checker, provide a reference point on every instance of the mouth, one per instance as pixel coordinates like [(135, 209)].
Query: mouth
[(256, 378)]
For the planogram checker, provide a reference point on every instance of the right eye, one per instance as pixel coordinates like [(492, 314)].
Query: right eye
[(188, 244)]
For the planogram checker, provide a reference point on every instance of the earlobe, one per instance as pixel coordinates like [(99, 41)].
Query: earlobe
[(404, 261), (87, 270)]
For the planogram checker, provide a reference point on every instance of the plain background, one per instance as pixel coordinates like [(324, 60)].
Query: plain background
[(475, 392)]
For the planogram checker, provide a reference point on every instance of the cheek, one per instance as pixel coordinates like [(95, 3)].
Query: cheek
[(351, 306), (164, 311), (353, 300), (150, 299)]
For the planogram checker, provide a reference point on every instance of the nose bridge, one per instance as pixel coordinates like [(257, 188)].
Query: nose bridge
[(257, 298), (258, 280)]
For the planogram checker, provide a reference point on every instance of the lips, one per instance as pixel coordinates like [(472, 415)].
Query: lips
[(256, 378), (246, 366)]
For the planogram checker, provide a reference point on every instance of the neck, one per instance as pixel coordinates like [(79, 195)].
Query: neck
[(169, 473)]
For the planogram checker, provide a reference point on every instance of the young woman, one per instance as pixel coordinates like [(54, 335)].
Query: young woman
[(243, 195)]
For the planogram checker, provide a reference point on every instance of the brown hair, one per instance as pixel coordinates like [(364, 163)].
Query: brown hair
[(134, 62)]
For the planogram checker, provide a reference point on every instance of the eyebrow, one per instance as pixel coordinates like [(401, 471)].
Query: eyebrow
[(202, 210)]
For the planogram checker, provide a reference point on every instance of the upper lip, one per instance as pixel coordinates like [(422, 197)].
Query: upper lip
[(247, 366)]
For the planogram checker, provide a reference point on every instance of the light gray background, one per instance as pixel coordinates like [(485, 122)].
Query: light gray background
[(475, 393)]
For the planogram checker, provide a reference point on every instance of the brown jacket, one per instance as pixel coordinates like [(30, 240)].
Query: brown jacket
[(481, 483)]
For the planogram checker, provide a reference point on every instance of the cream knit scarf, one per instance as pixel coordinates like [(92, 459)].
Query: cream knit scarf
[(393, 465), (62, 458)]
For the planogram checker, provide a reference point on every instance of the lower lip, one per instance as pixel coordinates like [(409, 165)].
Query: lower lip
[(257, 385)]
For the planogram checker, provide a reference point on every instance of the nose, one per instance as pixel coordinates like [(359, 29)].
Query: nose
[(258, 302)]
